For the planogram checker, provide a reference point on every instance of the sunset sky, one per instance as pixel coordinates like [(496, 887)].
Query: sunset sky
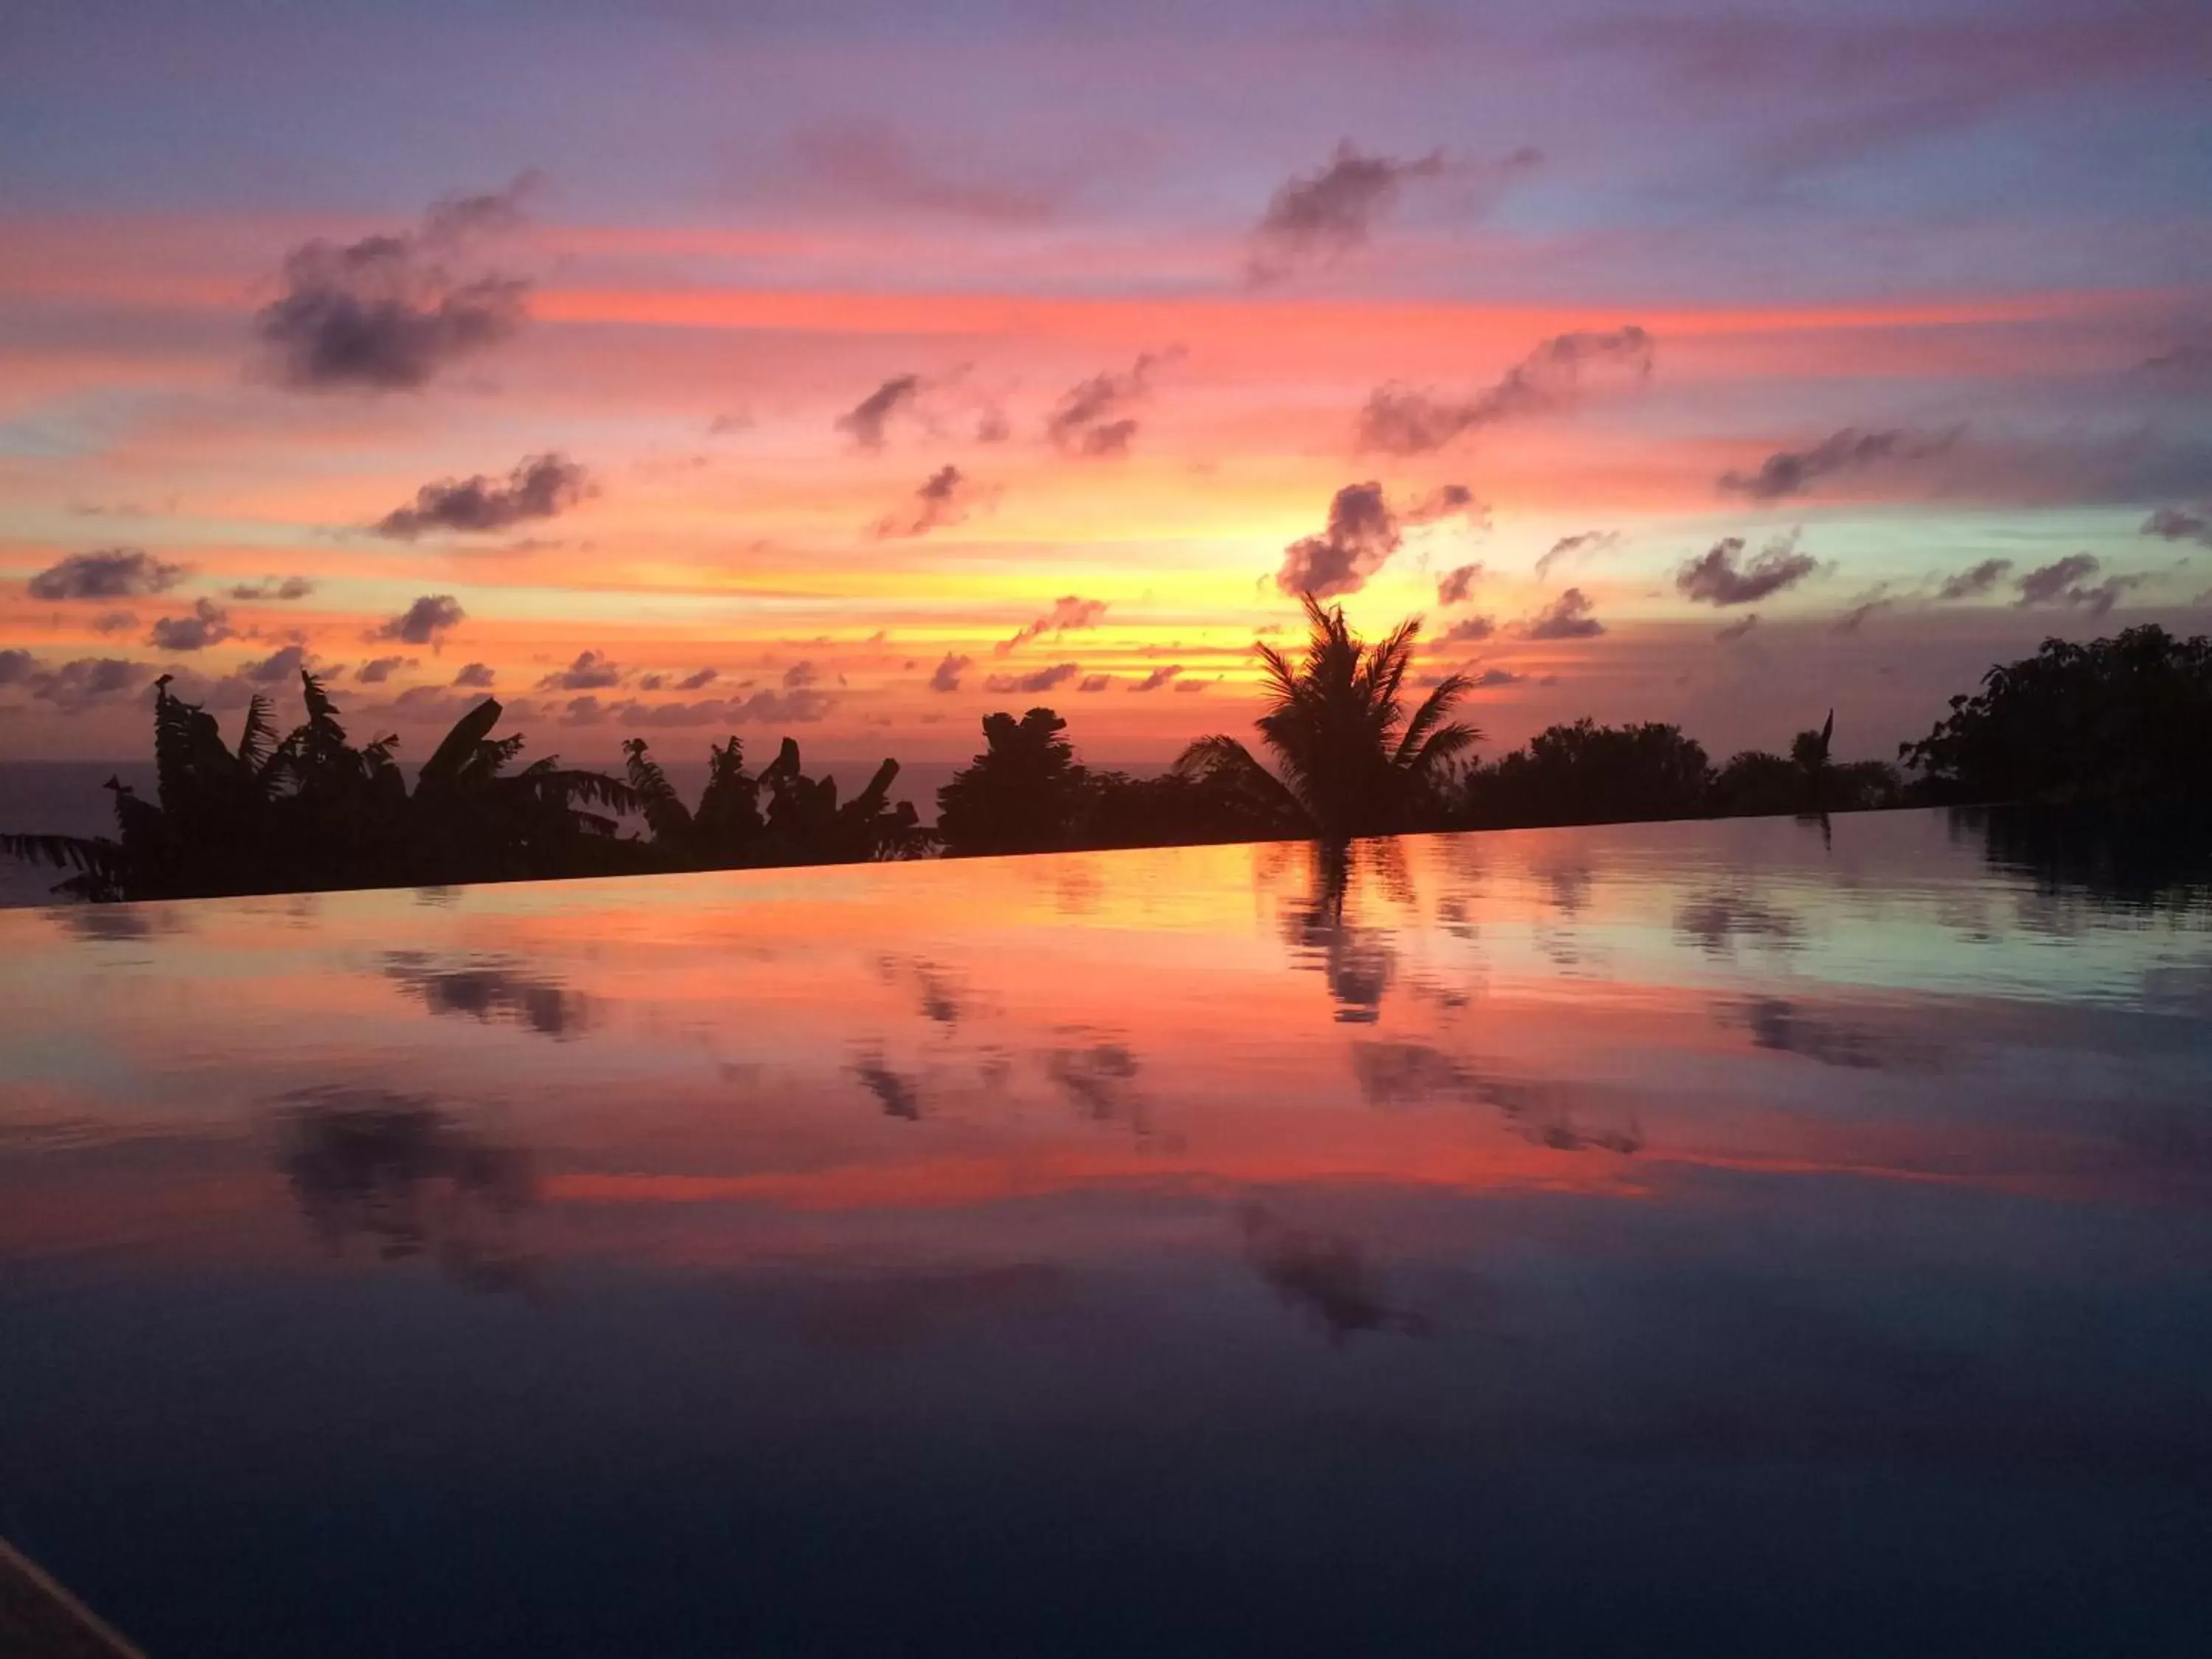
[(853, 370)]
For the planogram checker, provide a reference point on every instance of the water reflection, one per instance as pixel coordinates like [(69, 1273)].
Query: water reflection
[(490, 989), (1356, 960), (1326, 1275), (934, 1244), (398, 1171), (897, 1096)]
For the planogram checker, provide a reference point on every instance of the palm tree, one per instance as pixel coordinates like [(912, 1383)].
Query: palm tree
[(1809, 749), (1352, 761)]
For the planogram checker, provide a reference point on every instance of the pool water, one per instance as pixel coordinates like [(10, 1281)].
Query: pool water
[(1751, 1237)]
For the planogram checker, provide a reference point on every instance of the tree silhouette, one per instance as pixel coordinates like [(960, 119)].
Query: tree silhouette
[(1353, 762), (1586, 773), (1024, 793), (2128, 718), (313, 812)]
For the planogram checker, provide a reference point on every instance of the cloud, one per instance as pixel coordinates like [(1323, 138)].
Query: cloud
[(424, 621), (75, 686), (942, 498), (2174, 524), (1567, 617), (377, 669), (1042, 680), (872, 164), (2049, 584), (453, 219), (1095, 682), (799, 707), (207, 624), (590, 672), (1472, 631), (115, 622), (1455, 585), (113, 573), (1406, 421), (1192, 685), (948, 672), (539, 487), (864, 421), (387, 313), (1736, 630), (1321, 216), (1092, 419), (1587, 545), (1491, 678), (801, 673), (2063, 582), (1794, 473), (1068, 612), (694, 682), (272, 587), (476, 676), (1445, 501), (1855, 618), (1156, 679), (1361, 537), (277, 667), (1715, 579), (1971, 584)]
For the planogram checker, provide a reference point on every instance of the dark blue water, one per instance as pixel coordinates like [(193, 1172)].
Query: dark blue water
[(1697, 1238)]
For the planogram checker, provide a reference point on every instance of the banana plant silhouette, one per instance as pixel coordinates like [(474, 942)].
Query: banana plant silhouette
[(313, 811), (1352, 761), (802, 822)]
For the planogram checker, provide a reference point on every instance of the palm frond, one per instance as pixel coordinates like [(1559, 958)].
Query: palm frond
[(459, 745), (95, 856)]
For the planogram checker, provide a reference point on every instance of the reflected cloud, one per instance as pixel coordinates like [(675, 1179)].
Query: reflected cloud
[(1720, 919), (1326, 1275), (939, 999), (897, 1096), (1397, 1074), (399, 1170), (1096, 1080), (1777, 1023), (490, 988)]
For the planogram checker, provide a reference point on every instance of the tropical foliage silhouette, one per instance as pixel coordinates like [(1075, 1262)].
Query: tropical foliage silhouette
[(2119, 719), (311, 811), (2128, 718), (1352, 761), (1026, 792)]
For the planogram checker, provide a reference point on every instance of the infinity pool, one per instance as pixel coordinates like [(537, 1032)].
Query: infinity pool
[(1690, 1239)]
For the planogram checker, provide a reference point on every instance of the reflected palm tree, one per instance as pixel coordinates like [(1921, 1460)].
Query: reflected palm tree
[(1352, 761), (1357, 962), (398, 1171)]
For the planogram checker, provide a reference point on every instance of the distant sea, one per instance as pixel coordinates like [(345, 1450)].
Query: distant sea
[(66, 797)]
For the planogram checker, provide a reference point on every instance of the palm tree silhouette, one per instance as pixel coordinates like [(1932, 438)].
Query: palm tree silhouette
[(1352, 762)]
